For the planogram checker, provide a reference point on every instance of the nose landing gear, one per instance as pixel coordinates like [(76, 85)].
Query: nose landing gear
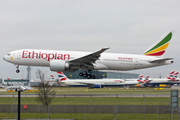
[(17, 71)]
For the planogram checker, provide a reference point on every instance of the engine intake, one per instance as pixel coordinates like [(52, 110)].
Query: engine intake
[(59, 65), (97, 86)]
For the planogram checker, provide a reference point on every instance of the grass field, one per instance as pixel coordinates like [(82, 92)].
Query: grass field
[(95, 101), (87, 101), (113, 90), (88, 116)]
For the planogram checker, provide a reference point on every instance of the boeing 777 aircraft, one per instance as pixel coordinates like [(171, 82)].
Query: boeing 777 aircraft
[(91, 83), (69, 61), (100, 83)]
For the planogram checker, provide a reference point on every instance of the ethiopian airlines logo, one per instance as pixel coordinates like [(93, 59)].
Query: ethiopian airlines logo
[(125, 58), (48, 56)]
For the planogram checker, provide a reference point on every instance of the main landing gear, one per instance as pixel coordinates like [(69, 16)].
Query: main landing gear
[(17, 71), (87, 75)]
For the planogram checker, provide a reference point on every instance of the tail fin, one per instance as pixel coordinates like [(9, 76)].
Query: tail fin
[(61, 76), (147, 77), (146, 80), (8, 78), (175, 76), (158, 49), (171, 74), (140, 78), (52, 77)]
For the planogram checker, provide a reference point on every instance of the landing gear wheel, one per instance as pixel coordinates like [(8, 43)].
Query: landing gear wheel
[(85, 74), (93, 76), (89, 76), (17, 71), (80, 74)]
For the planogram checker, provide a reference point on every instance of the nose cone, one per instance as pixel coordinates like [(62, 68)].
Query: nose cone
[(7, 58), (4, 58)]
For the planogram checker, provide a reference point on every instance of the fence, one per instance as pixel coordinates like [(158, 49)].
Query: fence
[(149, 109), (115, 106)]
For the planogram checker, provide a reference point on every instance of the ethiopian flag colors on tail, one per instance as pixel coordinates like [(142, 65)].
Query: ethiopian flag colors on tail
[(159, 48)]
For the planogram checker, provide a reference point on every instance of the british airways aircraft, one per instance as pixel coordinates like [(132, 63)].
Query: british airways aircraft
[(170, 79), (91, 83), (69, 61), (100, 83)]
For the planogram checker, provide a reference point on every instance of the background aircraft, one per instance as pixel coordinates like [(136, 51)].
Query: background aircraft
[(138, 82), (73, 60), (100, 83), (91, 83), (169, 79)]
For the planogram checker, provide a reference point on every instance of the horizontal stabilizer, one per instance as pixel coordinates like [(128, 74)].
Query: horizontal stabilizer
[(161, 60)]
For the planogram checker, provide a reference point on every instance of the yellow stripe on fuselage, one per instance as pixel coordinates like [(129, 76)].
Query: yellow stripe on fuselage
[(158, 49)]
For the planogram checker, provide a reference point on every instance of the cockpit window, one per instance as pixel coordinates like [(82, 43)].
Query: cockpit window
[(8, 54)]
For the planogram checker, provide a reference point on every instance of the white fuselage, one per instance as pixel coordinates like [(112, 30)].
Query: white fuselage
[(107, 61), (131, 81), (162, 81), (84, 82)]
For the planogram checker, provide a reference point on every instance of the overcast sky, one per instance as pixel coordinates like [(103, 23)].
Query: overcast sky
[(126, 26)]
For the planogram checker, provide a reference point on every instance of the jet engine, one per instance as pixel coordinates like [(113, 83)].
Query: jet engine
[(59, 65), (97, 86)]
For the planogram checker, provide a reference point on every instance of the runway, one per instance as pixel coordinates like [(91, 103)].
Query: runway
[(92, 95)]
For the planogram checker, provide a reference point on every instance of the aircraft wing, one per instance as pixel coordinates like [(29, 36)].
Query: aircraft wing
[(86, 61), (160, 60)]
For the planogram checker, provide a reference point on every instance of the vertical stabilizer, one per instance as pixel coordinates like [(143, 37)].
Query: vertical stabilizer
[(170, 75), (52, 77), (140, 78), (62, 76), (158, 48), (175, 76)]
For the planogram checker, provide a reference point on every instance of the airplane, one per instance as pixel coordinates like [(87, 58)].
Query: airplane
[(91, 83), (100, 83), (146, 81), (70, 61), (18, 88), (168, 80), (139, 81)]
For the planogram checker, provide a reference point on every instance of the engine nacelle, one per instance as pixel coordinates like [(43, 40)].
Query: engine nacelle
[(97, 86), (59, 65)]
